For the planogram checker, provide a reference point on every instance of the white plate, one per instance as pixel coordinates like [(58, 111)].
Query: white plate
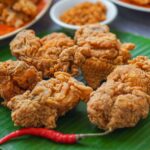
[(63, 5), (131, 6), (40, 15)]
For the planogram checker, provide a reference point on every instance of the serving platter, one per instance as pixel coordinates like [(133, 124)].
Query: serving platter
[(126, 4), (76, 121), (42, 9)]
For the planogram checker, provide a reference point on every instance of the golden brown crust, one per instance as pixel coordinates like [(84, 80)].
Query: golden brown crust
[(12, 18), (134, 77), (16, 13), (124, 99), (95, 71), (142, 62), (54, 52), (117, 105), (16, 77), (47, 101), (25, 6), (83, 33), (100, 49)]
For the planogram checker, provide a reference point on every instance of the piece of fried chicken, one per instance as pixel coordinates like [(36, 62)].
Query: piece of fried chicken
[(11, 17), (136, 74), (15, 78), (27, 7), (99, 52), (124, 99), (141, 2), (49, 100), (117, 105), (52, 53), (17, 12)]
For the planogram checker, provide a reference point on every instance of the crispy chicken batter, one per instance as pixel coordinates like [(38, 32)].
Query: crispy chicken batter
[(26, 6), (50, 54), (141, 62), (134, 77), (117, 105), (47, 101), (17, 12), (124, 99), (99, 53), (12, 18), (16, 77)]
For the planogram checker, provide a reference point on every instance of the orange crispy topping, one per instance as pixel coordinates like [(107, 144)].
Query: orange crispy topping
[(85, 13)]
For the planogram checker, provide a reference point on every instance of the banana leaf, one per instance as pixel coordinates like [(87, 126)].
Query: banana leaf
[(76, 121)]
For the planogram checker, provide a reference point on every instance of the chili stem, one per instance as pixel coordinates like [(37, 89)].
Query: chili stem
[(81, 136)]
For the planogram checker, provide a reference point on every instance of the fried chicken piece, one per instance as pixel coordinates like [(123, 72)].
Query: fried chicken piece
[(15, 78), (141, 62), (50, 54), (49, 100), (16, 13), (26, 6), (141, 2), (12, 18), (136, 74), (124, 99), (117, 105), (90, 32), (99, 53), (134, 77)]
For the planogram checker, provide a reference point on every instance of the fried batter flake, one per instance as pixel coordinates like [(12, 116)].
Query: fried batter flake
[(16, 13), (16, 77), (52, 53), (26, 6), (117, 105), (49, 100), (102, 50), (124, 99)]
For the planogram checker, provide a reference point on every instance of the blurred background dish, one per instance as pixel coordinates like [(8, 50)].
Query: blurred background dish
[(42, 7), (132, 5), (62, 6)]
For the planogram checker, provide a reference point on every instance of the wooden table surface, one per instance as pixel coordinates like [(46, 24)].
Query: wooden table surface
[(127, 20)]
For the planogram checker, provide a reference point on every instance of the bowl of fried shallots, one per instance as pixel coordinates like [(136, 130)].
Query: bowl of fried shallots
[(74, 14)]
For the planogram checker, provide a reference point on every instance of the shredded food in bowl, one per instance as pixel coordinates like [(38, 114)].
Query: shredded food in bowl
[(85, 13)]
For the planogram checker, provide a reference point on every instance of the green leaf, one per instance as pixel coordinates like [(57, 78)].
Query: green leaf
[(76, 121)]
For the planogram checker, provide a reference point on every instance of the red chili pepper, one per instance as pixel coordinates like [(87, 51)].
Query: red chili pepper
[(49, 134)]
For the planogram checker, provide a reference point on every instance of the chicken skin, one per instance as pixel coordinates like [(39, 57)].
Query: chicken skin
[(52, 53), (16, 13), (49, 100), (124, 99), (15, 78), (99, 52), (26, 6)]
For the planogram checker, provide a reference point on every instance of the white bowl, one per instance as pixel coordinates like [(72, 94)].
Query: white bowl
[(60, 7)]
